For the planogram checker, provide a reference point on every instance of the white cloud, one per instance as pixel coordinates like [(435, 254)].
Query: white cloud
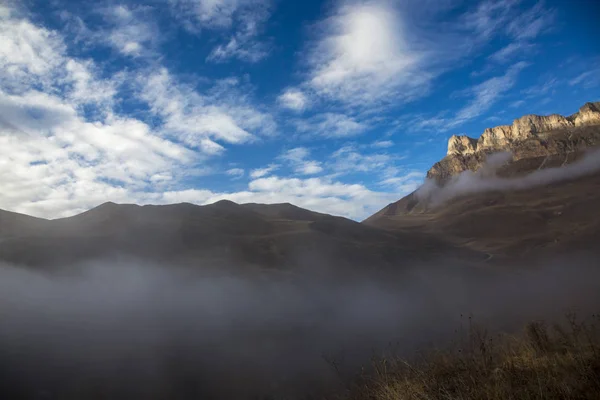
[(489, 17), (522, 28), (201, 121), (56, 159), (310, 168), (587, 79), (364, 55), (405, 183), (372, 53), (85, 87), (331, 125), (517, 103), (531, 23), (58, 163), (296, 155), (298, 158), (244, 50), (509, 51), (486, 94), (245, 19), (382, 144), (547, 87), (318, 194), (293, 99), (28, 55), (209, 13), (132, 32), (348, 159), (236, 173), (260, 172)]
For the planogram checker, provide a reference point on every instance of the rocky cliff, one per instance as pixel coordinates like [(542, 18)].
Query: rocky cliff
[(531, 143), (532, 136)]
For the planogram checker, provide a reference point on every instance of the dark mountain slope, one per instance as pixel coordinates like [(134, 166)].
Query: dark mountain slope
[(223, 234), (285, 211), (14, 224)]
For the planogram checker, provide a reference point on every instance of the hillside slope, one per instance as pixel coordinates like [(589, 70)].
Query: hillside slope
[(224, 234)]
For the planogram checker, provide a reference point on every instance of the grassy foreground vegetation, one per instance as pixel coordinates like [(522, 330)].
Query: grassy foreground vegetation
[(542, 362)]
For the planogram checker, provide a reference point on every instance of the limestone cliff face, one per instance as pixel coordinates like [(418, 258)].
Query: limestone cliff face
[(589, 114), (528, 137), (461, 145)]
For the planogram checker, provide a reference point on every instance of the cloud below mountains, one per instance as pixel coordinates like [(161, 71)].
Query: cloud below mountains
[(150, 330)]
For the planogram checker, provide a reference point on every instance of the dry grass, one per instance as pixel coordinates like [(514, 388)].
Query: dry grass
[(559, 362)]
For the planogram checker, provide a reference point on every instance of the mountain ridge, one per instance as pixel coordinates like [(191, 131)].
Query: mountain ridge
[(221, 235), (528, 137)]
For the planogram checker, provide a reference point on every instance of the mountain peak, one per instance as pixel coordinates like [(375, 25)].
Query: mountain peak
[(108, 204), (225, 203)]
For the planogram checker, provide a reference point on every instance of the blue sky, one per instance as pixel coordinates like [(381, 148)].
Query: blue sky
[(338, 106)]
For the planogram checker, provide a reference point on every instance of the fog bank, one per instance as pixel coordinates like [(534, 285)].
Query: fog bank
[(133, 330)]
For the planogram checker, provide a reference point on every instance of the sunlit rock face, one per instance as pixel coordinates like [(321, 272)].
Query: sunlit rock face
[(461, 145), (530, 136)]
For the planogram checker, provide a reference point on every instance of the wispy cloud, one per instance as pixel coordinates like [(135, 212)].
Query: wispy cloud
[(587, 79), (522, 29), (517, 104), (510, 51), (200, 121), (483, 96), (520, 26), (299, 159), (213, 14), (382, 144), (293, 99), (487, 93), (349, 159), (404, 183), (260, 172), (331, 125), (131, 31), (531, 23), (240, 21), (235, 173), (547, 86), (489, 16)]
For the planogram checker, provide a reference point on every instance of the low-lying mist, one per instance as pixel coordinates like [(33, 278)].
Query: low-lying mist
[(485, 179), (133, 330)]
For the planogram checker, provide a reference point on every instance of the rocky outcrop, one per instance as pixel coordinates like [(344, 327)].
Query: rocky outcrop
[(462, 145), (530, 136)]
